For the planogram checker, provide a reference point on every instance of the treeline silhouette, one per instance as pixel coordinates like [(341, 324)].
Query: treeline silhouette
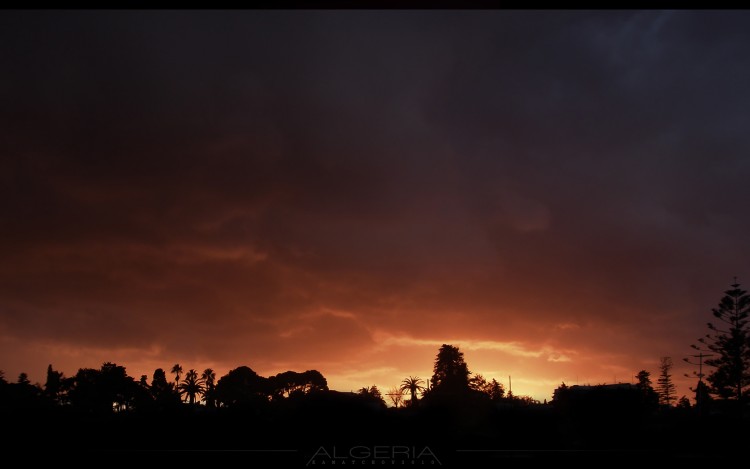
[(109, 389), (106, 410), (293, 417)]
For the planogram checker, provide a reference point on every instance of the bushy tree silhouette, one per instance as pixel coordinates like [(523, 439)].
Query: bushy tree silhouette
[(241, 387), (372, 394), (104, 390), (290, 383), (450, 374), (162, 391), (494, 390), (21, 396)]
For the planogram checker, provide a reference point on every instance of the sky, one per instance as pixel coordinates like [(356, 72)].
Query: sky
[(561, 194)]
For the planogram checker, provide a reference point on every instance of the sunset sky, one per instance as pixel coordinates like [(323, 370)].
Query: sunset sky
[(563, 195)]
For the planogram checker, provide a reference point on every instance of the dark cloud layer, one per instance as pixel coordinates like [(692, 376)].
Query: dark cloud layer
[(306, 188)]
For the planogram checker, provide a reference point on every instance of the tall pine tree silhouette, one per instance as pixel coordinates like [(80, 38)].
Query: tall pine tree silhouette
[(665, 386), (729, 340)]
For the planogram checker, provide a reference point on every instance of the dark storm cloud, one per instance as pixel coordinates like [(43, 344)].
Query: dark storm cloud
[(210, 182)]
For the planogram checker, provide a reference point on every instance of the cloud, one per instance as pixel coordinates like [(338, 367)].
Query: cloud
[(515, 349), (274, 188)]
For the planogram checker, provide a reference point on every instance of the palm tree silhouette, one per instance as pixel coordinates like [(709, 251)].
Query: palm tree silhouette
[(209, 378), (413, 384), (191, 386), (177, 370)]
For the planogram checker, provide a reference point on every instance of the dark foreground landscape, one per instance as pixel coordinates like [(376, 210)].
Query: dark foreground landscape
[(103, 416), (327, 427)]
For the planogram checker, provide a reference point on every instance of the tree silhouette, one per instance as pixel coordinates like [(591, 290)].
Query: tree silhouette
[(159, 384), (314, 381), (478, 383), (104, 390), (20, 396), (644, 381), (84, 394), (372, 394), (648, 394), (413, 384), (666, 388), (703, 398), (209, 379), (560, 395), (396, 395), (177, 371), (162, 391), (527, 400), (730, 342), (117, 385), (495, 390), (53, 387), (241, 387), (451, 374), (192, 386), (291, 383)]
